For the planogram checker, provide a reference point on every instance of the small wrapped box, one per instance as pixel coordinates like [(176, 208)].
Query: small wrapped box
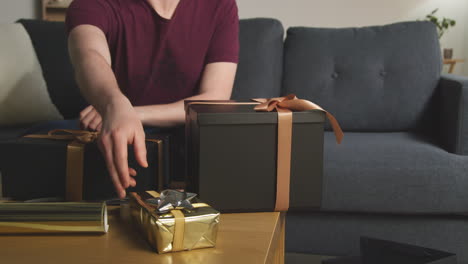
[(268, 150), (68, 164), (171, 223)]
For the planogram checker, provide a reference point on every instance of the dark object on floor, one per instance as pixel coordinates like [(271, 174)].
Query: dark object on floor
[(377, 251), (344, 260)]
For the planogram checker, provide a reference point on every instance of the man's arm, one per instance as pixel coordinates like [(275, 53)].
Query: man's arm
[(219, 73), (216, 84), (121, 126)]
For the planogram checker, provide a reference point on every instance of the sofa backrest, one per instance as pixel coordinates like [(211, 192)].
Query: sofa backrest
[(50, 44), (260, 67), (372, 78), (24, 98), (259, 71)]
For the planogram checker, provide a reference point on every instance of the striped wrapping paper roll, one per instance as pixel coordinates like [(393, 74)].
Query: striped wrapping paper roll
[(40, 218)]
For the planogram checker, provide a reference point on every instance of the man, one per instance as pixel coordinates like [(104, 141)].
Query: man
[(136, 61)]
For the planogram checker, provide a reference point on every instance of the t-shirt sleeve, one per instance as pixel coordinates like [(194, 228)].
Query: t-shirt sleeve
[(224, 45), (88, 12)]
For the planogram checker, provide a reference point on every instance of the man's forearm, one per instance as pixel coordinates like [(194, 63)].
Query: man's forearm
[(216, 84), (97, 81), (90, 56), (168, 115)]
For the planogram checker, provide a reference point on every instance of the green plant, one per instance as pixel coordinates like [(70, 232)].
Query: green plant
[(443, 24)]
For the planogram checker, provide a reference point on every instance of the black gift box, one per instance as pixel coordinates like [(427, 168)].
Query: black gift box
[(232, 157), (35, 168), (379, 251)]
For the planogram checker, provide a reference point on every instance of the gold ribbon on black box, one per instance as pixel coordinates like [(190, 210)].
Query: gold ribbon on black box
[(284, 106), (176, 229), (75, 158)]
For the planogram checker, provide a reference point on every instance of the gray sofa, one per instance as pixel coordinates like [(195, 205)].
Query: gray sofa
[(401, 172)]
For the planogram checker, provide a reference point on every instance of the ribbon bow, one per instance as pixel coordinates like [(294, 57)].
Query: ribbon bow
[(171, 200), (290, 103)]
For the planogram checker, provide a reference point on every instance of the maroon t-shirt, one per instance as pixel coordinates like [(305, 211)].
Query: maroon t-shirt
[(156, 60)]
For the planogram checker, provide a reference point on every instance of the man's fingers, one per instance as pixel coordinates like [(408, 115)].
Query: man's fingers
[(132, 182), (133, 173), (121, 158), (139, 146), (95, 122), (106, 149), (85, 122), (86, 111)]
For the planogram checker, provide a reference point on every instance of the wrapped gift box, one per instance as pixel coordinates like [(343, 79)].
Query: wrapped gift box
[(175, 230), (43, 167), (234, 154)]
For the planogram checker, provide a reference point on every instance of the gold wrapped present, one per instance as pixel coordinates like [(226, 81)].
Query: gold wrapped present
[(171, 227)]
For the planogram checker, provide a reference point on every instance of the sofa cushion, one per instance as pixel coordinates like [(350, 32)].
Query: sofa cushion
[(392, 173), (373, 78), (50, 43), (261, 59), (23, 93)]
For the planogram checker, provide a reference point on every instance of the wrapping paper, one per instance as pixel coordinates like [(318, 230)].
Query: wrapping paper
[(31, 218)]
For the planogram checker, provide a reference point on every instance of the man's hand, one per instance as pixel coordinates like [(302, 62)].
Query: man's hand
[(90, 119), (122, 127)]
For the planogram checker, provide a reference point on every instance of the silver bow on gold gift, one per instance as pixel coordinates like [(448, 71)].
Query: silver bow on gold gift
[(172, 199)]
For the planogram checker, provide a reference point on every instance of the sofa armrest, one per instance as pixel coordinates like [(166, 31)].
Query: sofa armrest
[(453, 118)]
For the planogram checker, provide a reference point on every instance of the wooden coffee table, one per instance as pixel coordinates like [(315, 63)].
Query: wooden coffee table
[(242, 238)]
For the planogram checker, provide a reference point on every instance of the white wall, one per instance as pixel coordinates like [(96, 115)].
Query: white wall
[(351, 13), (12, 10)]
